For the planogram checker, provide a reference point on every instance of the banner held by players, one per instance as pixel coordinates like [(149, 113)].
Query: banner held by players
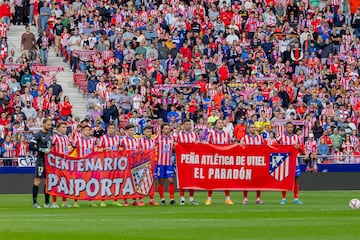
[(235, 167), (101, 176)]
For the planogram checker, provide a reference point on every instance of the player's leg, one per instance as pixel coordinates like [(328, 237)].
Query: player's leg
[(152, 200), (35, 191), (245, 200), (171, 189), (64, 203), (209, 199), (141, 202), (227, 198), (258, 198), (54, 203), (151, 197), (102, 203), (169, 175), (161, 191), (76, 204), (182, 196), (296, 192), (47, 198), (283, 198), (160, 174), (191, 197)]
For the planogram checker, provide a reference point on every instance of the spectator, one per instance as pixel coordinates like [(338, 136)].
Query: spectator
[(323, 150), (28, 41), (57, 89), (29, 111)]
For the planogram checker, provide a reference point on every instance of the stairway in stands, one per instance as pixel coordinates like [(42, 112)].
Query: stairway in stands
[(64, 78)]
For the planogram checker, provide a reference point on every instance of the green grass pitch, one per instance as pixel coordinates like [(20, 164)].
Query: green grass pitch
[(324, 215)]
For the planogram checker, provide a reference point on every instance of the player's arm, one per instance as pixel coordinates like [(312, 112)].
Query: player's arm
[(34, 141), (100, 145)]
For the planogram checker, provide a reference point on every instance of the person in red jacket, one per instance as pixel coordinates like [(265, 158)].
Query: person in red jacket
[(40, 102), (186, 51), (5, 12), (223, 72), (226, 16), (65, 108)]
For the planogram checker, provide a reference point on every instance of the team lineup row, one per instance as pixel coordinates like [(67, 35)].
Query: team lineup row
[(164, 144)]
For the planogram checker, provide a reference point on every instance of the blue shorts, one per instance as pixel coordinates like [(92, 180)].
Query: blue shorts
[(162, 171), (297, 171)]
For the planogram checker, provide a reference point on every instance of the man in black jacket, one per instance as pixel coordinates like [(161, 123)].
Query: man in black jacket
[(41, 143)]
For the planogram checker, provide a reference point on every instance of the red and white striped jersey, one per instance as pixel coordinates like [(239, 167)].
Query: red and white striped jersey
[(101, 89), (252, 24), (347, 147), (107, 141), (336, 2), (187, 137), (61, 143), (343, 115), (165, 146), (279, 129), (8, 150), (22, 149), (129, 143), (354, 140), (285, 139), (84, 146), (255, 139), (237, 19), (311, 146), (201, 126), (272, 141), (146, 143), (3, 30), (217, 137)]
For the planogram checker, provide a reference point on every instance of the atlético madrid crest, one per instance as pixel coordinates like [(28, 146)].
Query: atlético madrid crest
[(142, 178), (279, 165)]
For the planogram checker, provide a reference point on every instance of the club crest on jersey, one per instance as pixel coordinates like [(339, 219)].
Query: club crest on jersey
[(279, 166), (142, 178)]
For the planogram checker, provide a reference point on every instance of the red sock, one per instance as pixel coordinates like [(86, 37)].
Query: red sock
[(151, 197), (161, 190), (182, 193), (283, 194), (227, 193), (191, 192), (245, 193), (258, 194), (64, 199), (171, 189), (296, 189), (54, 199), (209, 193)]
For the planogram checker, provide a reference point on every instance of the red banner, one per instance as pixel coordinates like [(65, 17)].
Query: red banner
[(13, 66), (47, 69), (235, 167), (101, 176)]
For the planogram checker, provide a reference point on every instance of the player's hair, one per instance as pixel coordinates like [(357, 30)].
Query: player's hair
[(148, 127), (163, 125), (186, 120), (217, 121), (46, 120), (111, 124), (60, 124), (289, 123), (129, 126)]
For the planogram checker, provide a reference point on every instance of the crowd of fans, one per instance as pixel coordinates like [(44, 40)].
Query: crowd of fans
[(265, 62)]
